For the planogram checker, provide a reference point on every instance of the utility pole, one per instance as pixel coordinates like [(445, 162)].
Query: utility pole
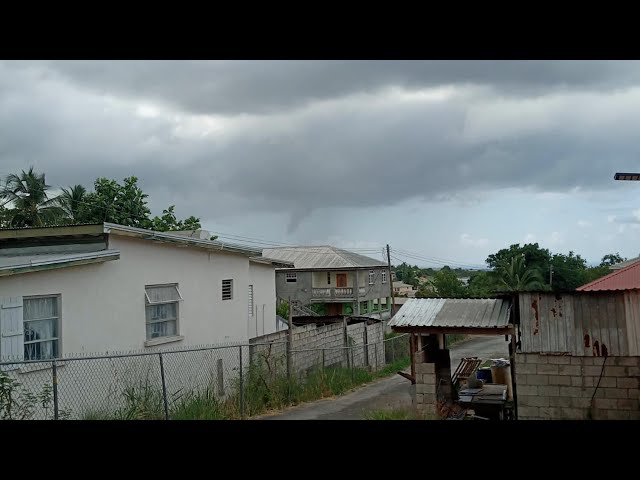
[(393, 300)]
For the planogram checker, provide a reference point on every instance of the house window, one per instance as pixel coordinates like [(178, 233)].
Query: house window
[(162, 309), (384, 276), (291, 277), (41, 317), (227, 289), (250, 300), (364, 307), (371, 277), (328, 278)]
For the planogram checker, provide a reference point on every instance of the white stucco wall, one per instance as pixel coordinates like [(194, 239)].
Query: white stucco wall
[(103, 305), (263, 321)]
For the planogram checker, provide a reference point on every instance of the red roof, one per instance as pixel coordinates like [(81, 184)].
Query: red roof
[(627, 278)]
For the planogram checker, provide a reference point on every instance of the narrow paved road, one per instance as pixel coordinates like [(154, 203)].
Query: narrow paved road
[(386, 394)]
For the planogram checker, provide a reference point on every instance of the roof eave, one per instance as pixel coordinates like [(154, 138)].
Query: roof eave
[(57, 264)]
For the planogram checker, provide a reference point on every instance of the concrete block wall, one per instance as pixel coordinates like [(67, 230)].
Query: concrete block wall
[(561, 387), (424, 397), (308, 342)]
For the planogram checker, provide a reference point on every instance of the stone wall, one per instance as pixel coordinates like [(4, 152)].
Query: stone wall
[(562, 386)]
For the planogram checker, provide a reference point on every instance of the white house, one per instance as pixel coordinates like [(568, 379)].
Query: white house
[(103, 288)]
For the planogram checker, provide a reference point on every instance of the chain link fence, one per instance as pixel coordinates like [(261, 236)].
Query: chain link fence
[(216, 382)]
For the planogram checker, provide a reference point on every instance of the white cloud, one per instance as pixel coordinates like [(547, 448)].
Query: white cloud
[(556, 239), (468, 241), (529, 238), (584, 223), (611, 218)]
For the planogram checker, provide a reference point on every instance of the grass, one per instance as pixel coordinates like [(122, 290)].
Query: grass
[(389, 415), (397, 414), (263, 391)]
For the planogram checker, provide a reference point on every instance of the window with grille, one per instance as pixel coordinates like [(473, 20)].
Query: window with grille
[(371, 277), (162, 309), (291, 277), (250, 300), (227, 289), (41, 318), (384, 276)]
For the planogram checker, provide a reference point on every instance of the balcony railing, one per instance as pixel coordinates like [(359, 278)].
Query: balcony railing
[(337, 292)]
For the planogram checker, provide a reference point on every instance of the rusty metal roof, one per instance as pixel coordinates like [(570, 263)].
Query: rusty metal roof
[(453, 313), (324, 257), (627, 278)]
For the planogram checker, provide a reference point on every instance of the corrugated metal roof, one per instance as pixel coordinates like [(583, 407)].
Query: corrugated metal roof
[(453, 313), (624, 264), (10, 265), (627, 278), (307, 258)]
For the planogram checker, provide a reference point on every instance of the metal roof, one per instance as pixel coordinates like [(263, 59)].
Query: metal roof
[(627, 278), (624, 264), (453, 313), (106, 227), (323, 257), (15, 264)]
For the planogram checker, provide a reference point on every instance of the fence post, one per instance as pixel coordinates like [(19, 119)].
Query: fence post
[(241, 384), (393, 351), (54, 372), (375, 347), (164, 388)]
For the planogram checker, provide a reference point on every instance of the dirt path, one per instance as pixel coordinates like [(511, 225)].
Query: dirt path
[(389, 393)]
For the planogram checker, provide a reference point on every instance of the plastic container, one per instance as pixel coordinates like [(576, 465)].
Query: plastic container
[(484, 374)]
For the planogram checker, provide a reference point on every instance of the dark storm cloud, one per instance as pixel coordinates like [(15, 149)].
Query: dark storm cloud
[(229, 87), (373, 140)]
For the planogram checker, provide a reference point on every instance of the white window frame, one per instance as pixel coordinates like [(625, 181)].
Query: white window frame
[(149, 303), (250, 294), (372, 277), (59, 326), (291, 277), (230, 280), (384, 276)]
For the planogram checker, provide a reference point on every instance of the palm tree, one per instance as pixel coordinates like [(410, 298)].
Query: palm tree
[(32, 207), (72, 201), (517, 278)]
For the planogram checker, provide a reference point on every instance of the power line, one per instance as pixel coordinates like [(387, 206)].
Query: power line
[(426, 257)]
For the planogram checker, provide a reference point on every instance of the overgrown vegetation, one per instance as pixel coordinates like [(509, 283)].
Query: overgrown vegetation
[(19, 403), (265, 388)]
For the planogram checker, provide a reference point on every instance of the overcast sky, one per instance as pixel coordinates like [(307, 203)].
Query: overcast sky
[(446, 160)]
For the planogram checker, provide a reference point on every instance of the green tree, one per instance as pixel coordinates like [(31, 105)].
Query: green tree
[(5, 217), (534, 256), (483, 284), (611, 259), (568, 271), (73, 201), (446, 284), (169, 222), (516, 277), (32, 207), (593, 273), (123, 204)]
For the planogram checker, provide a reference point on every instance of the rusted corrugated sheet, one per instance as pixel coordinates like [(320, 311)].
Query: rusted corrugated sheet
[(453, 312), (580, 324)]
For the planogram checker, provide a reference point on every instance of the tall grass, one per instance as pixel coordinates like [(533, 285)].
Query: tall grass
[(265, 387)]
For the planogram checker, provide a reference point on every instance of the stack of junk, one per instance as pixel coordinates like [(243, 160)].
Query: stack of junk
[(499, 373)]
